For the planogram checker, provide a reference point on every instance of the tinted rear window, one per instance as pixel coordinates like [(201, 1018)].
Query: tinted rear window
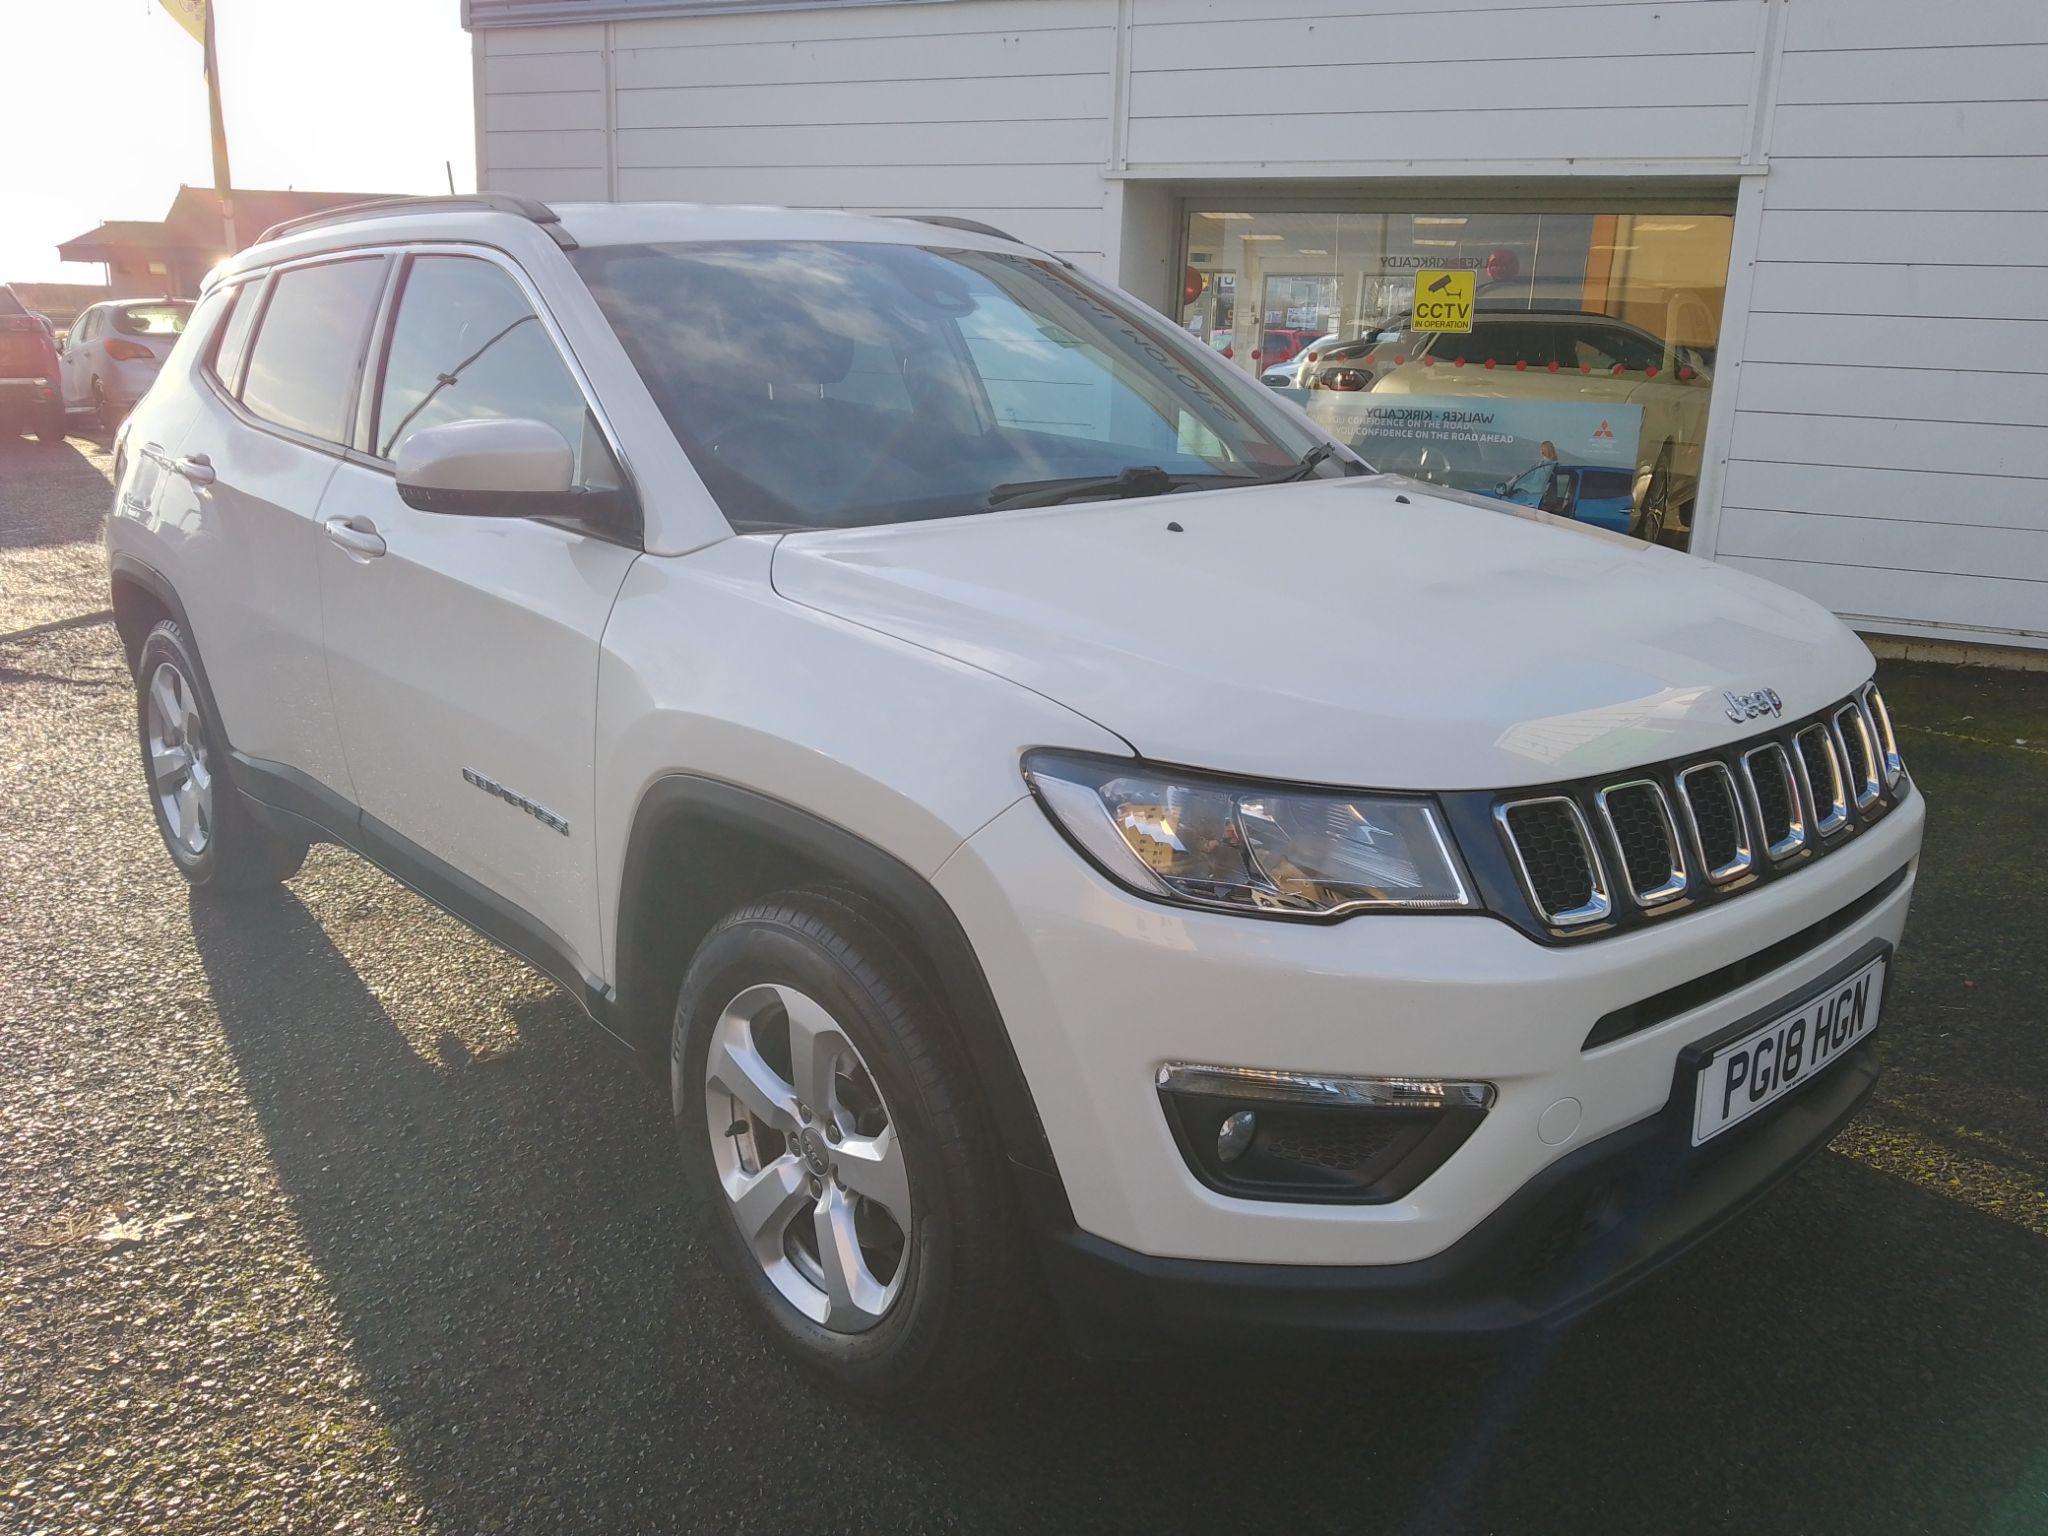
[(233, 344), (302, 369), (152, 319)]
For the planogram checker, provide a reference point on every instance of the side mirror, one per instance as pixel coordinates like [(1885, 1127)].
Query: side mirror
[(498, 466)]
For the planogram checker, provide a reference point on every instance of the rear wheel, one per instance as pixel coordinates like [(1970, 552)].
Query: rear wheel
[(50, 429), (833, 1139), (103, 412), (207, 828)]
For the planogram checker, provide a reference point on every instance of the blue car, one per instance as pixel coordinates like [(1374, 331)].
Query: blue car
[(1592, 493)]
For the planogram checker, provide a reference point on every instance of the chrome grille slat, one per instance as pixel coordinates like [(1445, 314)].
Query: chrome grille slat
[(1858, 746), (1652, 862), (1706, 793), (1774, 797), (1887, 739), (1815, 752), (1544, 863)]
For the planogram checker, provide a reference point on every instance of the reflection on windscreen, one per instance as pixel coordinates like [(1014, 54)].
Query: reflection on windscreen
[(830, 385)]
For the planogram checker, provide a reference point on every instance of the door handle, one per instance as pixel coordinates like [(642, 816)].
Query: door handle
[(362, 542), (197, 468)]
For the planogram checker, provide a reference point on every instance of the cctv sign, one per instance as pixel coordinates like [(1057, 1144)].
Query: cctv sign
[(1443, 299)]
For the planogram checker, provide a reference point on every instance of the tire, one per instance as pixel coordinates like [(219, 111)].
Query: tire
[(945, 1310), (1654, 506), (50, 431), (104, 416), (207, 828)]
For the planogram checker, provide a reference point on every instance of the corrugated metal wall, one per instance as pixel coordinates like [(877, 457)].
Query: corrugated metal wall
[(1883, 400)]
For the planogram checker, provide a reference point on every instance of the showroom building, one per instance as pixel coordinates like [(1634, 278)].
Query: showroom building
[(1763, 278)]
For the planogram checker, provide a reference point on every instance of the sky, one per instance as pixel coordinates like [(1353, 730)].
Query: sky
[(110, 115)]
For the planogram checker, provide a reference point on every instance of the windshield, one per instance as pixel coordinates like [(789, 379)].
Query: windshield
[(151, 319), (827, 385)]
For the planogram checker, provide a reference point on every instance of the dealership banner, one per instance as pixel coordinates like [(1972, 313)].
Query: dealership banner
[(1476, 443)]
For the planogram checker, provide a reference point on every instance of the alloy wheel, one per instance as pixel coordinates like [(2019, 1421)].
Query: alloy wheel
[(808, 1155), (179, 773), (1656, 499)]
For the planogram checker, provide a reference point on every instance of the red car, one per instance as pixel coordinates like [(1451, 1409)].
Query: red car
[(29, 401)]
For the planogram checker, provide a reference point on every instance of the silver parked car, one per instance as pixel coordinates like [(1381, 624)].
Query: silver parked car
[(113, 352)]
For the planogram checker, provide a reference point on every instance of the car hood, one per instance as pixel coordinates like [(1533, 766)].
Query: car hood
[(1367, 632)]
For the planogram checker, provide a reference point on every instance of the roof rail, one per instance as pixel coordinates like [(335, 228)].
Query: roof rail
[(972, 226), (976, 227), (394, 207)]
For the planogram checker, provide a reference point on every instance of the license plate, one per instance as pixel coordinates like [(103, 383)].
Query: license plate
[(1745, 1075)]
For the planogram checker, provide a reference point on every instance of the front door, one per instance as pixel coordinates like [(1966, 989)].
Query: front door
[(463, 650)]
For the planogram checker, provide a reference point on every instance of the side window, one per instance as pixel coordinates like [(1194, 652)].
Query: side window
[(87, 327), (466, 344), (232, 344), (1603, 346), (302, 368)]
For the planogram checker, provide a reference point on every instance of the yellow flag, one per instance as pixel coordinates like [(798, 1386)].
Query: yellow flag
[(189, 14)]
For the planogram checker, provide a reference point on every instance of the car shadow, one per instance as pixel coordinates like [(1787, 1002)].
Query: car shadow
[(51, 494), (553, 1347)]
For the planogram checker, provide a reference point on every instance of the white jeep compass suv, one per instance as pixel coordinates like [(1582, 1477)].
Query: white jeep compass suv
[(1062, 825)]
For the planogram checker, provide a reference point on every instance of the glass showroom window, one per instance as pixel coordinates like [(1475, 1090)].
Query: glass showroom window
[(1557, 360)]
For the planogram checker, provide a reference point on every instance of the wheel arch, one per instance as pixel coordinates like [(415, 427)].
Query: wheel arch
[(143, 598), (699, 847)]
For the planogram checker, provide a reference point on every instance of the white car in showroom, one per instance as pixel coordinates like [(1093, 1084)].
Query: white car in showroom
[(1055, 819)]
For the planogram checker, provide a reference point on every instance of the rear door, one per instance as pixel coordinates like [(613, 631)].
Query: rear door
[(276, 406), (75, 363), (463, 650)]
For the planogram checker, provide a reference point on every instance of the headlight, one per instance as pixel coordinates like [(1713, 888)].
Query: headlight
[(1288, 852)]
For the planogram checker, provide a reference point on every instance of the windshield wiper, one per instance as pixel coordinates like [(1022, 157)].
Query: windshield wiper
[(1310, 462), (1134, 480)]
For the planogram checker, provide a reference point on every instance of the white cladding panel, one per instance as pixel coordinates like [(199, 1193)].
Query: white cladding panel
[(1890, 451), (1885, 398)]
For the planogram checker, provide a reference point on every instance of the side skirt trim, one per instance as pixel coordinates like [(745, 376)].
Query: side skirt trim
[(313, 810)]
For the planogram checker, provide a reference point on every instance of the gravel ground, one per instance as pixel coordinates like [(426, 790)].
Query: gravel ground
[(321, 1214)]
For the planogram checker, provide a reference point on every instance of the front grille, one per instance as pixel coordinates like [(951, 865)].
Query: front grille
[(1639, 820), (1695, 830), (1559, 864), (1719, 834)]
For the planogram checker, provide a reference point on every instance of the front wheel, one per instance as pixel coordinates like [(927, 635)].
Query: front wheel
[(1654, 504), (832, 1137), (212, 837)]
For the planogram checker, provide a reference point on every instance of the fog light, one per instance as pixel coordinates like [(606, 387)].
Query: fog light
[(1234, 1139), (1269, 1135)]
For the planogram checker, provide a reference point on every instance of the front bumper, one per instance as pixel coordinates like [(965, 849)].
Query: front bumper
[(1585, 1228), (1100, 989)]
